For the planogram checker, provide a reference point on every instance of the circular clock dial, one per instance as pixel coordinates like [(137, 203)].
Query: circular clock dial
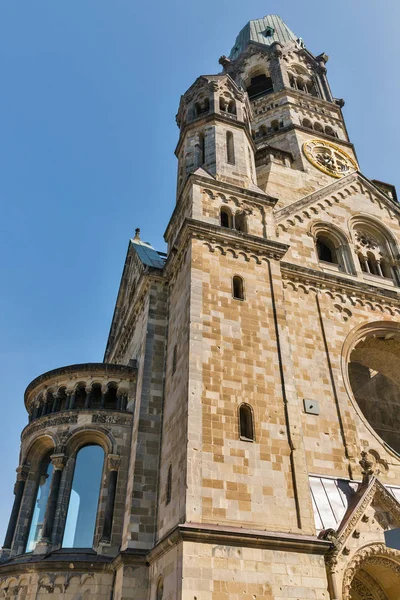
[(329, 158)]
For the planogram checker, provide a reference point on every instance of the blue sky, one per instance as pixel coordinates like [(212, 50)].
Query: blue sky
[(89, 93)]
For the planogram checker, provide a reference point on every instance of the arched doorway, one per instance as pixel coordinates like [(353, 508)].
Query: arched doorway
[(374, 574)]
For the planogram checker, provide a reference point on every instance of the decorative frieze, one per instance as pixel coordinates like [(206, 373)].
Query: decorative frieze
[(111, 419)]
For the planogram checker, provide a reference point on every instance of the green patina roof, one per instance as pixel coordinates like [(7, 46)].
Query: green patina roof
[(256, 31)]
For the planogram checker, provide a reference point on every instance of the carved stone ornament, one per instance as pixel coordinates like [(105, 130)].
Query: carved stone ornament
[(113, 462), (49, 422), (111, 419), (58, 461), (22, 473), (366, 240), (366, 467), (374, 554)]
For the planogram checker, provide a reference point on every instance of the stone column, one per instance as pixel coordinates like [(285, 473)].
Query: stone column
[(113, 464), (71, 396), (88, 389), (55, 400), (104, 390), (22, 475), (44, 545)]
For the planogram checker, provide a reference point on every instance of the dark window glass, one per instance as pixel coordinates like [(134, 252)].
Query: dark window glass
[(35, 531), (260, 86), (326, 250), (168, 491), (82, 508), (246, 422), (226, 218), (238, 288)]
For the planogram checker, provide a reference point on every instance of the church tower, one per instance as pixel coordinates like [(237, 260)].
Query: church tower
[(241, 438)]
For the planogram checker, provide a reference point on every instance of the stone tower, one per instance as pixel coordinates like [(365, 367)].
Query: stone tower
[(241, 438)]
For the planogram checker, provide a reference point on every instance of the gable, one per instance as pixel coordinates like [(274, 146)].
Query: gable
[(338, 194)]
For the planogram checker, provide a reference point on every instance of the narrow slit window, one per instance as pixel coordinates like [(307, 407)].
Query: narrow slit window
[(174, 359), (168, 487), (246, 422), (238, 287), (230, 148)]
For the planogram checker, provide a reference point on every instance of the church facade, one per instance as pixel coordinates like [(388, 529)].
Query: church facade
[(241, 439)]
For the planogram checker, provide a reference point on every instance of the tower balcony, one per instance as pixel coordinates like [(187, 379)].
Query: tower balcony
[(99, 388)]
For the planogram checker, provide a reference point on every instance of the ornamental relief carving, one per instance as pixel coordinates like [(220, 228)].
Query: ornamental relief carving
[(289, 217), (341, 297), (112, 419), (50, 422), (374, 554)]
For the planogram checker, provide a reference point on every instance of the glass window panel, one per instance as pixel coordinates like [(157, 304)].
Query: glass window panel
[(35, 531), (82, 508)]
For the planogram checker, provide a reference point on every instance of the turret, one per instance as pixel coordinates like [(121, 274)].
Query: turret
[(214, 119)]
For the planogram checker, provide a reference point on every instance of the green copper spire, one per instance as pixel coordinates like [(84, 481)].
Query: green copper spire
[(265, 31)]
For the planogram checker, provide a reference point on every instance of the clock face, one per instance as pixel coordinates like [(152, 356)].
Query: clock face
[(329, 158)]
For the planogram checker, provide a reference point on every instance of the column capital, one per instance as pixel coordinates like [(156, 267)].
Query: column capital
[(113, 462), (58, 461), (22, 472)]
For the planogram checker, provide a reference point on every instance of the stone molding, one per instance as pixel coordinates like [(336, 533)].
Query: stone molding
[(49, 421), (334, 193), (227, 239), (113, 419), (108, 369), (345, 289), (237, 536)]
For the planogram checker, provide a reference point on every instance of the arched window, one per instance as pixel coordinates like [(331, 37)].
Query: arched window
[(226, 217), (260, 85), (222, 104), (168, 487), (232, 107), (307, 123), (318, 127), (240, 222), (230, 148), (275, 125), (376, 249), (329, 131), (262, 131), (42, 495), (174, 358), (110, 399), (238, 287), (201, 107), (83, 501), (326, 250), (160, 589), (246, 425)]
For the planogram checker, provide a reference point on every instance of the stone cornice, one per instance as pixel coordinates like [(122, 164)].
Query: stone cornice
[(76, 563), (239, 536), (219, 186), (294, 126), (106, 368), (344, 285), (225, 238)]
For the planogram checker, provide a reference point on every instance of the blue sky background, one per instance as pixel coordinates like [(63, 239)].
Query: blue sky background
[(89, 93)]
